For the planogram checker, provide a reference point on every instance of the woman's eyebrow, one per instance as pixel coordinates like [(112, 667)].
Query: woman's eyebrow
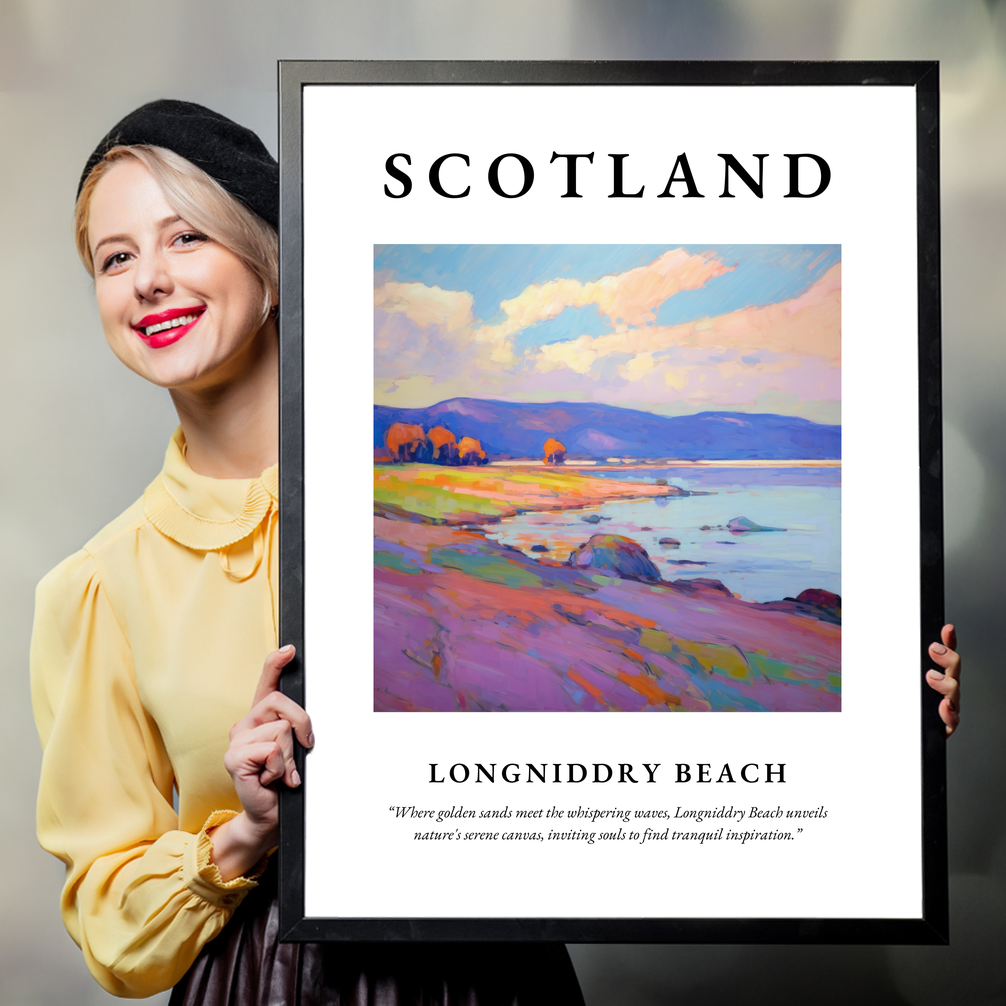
[(160, 225), (109, 240)]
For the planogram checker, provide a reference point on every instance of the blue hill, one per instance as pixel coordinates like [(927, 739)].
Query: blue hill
[(591, 431)]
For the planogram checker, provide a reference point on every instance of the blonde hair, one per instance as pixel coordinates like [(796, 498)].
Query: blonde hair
[(199, 200)]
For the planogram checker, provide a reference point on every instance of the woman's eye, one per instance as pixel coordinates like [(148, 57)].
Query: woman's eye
[(114, 261), (190, 238)]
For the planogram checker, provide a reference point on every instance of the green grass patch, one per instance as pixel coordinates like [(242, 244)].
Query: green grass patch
[(489, 567), (390, 560), (433, 501), (777, 670), (548, 478), (446, 495)]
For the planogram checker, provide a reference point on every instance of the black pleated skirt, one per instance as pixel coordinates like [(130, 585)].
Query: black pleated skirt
[(246, 965)]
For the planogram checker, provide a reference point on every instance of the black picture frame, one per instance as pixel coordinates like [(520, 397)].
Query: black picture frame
[(932, 926)]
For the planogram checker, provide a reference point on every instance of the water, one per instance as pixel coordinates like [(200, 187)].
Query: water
[(759, 566)]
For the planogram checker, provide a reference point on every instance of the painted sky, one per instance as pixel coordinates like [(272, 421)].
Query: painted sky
[(663, 328)]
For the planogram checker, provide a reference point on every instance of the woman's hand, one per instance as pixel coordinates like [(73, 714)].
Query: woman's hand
[(947, 682), (260, 753)]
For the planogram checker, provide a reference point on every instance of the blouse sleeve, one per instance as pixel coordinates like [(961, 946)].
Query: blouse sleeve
[(141, 898)]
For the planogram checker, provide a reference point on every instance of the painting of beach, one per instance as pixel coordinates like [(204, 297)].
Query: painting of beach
[(607, 478)]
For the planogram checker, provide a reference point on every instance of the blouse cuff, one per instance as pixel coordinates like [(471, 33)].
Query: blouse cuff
[(202, 876)]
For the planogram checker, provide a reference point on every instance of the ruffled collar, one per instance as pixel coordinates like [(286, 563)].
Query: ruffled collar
[(203, 513)]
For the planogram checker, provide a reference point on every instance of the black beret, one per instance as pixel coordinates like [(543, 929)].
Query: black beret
[(231, 154)]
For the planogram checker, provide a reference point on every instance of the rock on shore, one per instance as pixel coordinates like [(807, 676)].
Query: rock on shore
[(618, 554), (743, 524)]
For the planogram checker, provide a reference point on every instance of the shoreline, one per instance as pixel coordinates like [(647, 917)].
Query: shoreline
[(486, 496), (644, 465)]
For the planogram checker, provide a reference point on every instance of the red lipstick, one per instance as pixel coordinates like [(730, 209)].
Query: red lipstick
[(166, 328)]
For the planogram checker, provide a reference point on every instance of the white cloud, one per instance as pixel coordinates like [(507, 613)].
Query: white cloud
[(808, 325), (426, 306)]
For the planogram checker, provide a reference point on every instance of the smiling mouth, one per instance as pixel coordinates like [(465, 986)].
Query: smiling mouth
[(177, 321), (167, 327)]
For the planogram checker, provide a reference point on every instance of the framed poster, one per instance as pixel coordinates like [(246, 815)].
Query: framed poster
[(616, 628)]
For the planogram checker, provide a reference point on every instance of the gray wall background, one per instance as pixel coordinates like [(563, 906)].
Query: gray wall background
[(82, 436)]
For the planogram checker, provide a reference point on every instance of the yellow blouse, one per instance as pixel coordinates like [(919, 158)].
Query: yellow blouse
[(147, 647)]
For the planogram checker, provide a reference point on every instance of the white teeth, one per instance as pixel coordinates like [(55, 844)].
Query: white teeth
[(173, 323)]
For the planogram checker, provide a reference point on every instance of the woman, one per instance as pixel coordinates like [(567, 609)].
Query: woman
[(149, 643)]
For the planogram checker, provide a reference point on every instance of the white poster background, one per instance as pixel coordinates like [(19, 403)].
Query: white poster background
[(863, 763)]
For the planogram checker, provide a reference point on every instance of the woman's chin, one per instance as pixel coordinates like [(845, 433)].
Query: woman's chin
[(196, 365), (173, 374)]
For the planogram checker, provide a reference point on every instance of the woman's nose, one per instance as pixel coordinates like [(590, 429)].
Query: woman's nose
[(152, 277)]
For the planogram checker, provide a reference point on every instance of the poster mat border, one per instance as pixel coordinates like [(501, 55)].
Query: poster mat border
[(933, 926)]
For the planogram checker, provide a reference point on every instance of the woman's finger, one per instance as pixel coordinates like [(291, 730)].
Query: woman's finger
[(945, 685), (260, 760), (949, 688), (950, 716), (949, 660), (277, 706), (278, 732), (949, 636), (273, 766), (271, 671)]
